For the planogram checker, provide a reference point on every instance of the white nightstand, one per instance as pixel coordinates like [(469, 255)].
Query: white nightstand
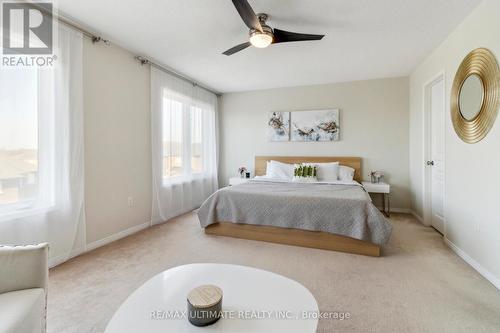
[(237, 180), (385, 190)]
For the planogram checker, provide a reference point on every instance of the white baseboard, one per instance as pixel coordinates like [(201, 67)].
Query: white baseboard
[(117, 236), (94, 245), (418, 217), (54, 261), (480, 269), (399, 210)]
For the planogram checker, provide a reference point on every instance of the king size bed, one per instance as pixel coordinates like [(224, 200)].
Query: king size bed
[(331, 215)]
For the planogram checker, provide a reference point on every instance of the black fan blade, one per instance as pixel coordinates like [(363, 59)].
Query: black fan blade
[(282, 36), (237, 48), (247, 14)]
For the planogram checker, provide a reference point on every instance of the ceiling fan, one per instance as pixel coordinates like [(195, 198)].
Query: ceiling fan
[(261, 35)]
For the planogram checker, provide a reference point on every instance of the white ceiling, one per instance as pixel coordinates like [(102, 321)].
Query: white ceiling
[(365, 39)]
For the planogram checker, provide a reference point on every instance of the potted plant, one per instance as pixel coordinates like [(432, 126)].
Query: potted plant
[(376, 176), (242, 171)]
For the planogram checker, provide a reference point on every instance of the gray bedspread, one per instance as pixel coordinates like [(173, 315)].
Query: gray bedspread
[(340, 209)]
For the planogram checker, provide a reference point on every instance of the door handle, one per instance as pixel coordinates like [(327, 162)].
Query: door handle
[(430, 163)]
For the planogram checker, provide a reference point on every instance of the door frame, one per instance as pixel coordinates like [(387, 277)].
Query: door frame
[(427, 184)]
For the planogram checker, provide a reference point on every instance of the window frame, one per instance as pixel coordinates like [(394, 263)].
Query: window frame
[(192, 108), (44, 199)]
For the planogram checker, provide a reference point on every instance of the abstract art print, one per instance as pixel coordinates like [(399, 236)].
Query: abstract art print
[(315, 125), (278, 126)]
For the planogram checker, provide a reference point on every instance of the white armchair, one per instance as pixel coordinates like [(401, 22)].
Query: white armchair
[(24, 277)]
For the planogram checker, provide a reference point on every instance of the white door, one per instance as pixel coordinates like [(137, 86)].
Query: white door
[(436, 154)]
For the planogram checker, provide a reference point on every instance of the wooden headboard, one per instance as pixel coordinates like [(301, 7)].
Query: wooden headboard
[(353, 162)]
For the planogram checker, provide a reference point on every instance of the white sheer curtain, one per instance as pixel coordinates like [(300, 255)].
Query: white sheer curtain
[(56, 212), (184, 145)]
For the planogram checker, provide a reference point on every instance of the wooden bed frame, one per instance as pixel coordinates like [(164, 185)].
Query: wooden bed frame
[(297, 237)]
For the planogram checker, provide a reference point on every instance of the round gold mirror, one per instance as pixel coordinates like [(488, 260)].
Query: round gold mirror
[(471, 97), (475, 96)]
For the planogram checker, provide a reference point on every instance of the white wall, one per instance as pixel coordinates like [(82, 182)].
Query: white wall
[(117, 140), (471, 198), (374, 126)]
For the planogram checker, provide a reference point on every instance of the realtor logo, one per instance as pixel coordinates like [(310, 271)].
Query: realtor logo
[(27, 28)]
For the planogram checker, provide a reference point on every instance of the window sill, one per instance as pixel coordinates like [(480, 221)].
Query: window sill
[(25, 213), (180, 180)]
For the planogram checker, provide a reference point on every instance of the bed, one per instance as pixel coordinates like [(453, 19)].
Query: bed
[(330, 216)]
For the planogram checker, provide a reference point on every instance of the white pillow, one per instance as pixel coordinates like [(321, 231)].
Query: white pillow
[(346, 174), (278, 170), (328, 172)]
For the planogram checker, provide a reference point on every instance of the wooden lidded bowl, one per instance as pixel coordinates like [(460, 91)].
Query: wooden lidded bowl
[(204, 305)]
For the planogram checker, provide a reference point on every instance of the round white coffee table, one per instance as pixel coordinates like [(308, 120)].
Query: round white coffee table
[(253, 300)]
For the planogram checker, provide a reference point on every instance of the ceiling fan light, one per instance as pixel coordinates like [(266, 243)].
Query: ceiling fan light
[(261, 40)]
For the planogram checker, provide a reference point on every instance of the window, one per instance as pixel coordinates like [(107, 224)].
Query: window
[(184, 145), (26, 161), (18, 139), (182, 139), (172, 138)]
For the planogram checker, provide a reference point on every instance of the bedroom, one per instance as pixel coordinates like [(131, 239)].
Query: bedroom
[(110, 162)]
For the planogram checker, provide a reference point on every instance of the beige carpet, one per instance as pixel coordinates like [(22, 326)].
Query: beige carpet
[(419, 285)]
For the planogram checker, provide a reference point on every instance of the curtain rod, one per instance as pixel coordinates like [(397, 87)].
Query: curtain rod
[(145, 61), (96, 38)]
